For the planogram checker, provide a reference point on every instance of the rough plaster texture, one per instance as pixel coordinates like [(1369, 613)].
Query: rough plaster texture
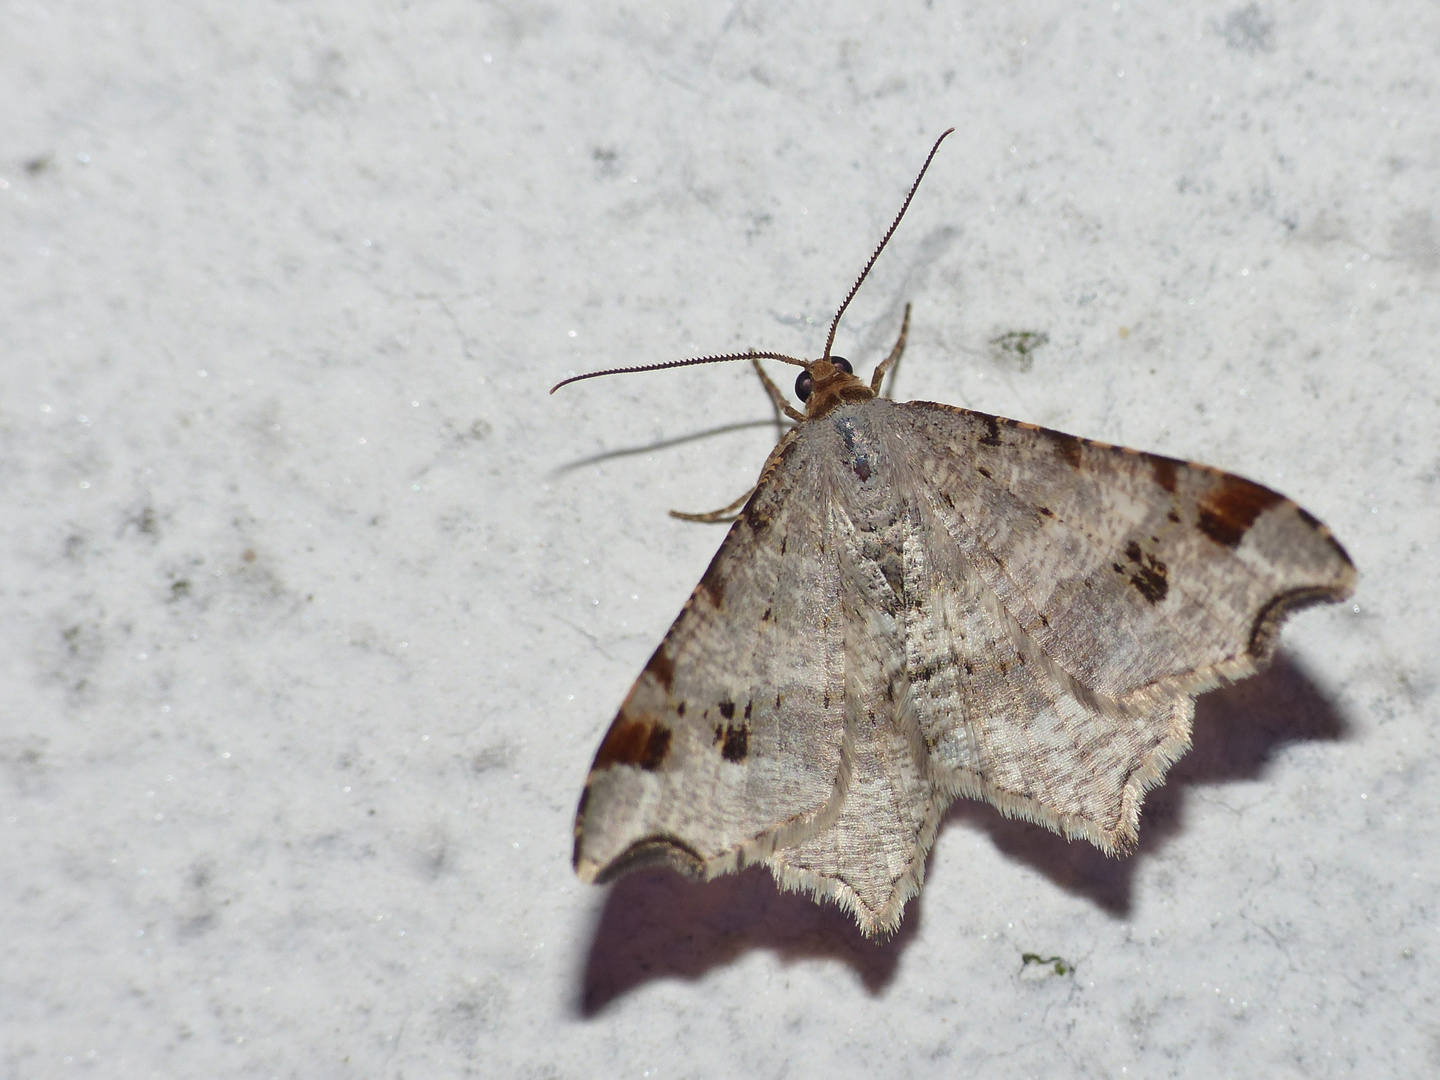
[(316, 605)]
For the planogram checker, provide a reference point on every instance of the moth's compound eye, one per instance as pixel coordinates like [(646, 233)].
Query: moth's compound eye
[(803, 385), (842, 364)]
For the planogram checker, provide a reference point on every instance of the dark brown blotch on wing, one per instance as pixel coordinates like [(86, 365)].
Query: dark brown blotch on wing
[(992, 435), (734, 741), (1149, 576), (643, 742), (1164, 469), (759, 517), (1231, 507), (1069, 449), (662, 669)]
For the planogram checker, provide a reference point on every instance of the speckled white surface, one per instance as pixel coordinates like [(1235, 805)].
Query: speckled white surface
[(316, 605)]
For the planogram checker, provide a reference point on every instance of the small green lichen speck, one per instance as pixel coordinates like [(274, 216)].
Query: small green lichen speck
[(1060, 964), (1021, 342)]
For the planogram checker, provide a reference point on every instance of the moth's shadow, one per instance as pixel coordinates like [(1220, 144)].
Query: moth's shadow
[(1237, 729), (658, 925)]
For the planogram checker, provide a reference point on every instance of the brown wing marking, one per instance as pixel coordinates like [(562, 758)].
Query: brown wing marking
[(1138, 574), (729, 742)]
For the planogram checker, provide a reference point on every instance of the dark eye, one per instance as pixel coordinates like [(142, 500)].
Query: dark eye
[(804, 383)]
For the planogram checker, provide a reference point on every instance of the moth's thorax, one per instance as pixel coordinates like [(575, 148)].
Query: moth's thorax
[(854, 459), (833, 388)]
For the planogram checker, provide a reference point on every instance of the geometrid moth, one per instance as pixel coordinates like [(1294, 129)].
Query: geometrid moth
[(920, 602)]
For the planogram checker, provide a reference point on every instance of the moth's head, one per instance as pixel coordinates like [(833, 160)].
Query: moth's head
[(827, 383)]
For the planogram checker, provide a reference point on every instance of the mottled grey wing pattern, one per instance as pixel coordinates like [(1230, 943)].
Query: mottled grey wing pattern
[(1004, 722), (921, 602), (946, 693), (1140, 575), (1071, 597), (729, 743), (871, 858)]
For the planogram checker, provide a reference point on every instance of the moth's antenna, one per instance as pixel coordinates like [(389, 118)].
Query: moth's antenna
[(835, 323), (680, 363)]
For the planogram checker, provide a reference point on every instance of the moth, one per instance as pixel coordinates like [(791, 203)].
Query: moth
[(919, 602)]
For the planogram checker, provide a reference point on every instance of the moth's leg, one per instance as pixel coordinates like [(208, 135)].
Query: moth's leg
[(728, 513), (890, 361), (724, 514), (776, 396)]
